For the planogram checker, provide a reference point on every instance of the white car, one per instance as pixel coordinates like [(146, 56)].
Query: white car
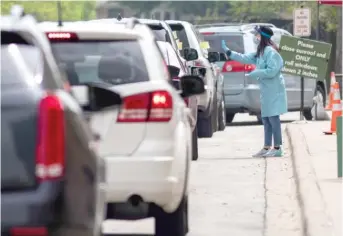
[(172, 58), (209, 102), (147, 144)]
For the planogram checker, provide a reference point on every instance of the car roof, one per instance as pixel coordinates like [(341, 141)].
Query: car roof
[(89, 30), (235, 29), (124, 20), (178, 22)]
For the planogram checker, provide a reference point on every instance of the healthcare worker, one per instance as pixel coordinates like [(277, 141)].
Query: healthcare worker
[(273, 95)]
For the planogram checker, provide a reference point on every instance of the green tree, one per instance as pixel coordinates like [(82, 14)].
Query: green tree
[(47, 10), (141, 6)]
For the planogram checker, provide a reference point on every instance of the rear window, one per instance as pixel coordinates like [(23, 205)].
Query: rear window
[(17, 59), (113, 62), (234, 42)]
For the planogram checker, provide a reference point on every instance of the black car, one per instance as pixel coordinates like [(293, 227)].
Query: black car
[(50, 175)]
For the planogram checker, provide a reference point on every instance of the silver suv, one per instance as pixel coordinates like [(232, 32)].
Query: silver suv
[(242, 94)]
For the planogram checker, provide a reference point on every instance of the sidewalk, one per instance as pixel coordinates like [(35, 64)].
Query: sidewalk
[(315, 171)]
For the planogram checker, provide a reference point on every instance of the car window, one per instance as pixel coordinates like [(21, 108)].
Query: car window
[(170, 56), (114, 62), (181, 34), (234, 42), (17, 59)]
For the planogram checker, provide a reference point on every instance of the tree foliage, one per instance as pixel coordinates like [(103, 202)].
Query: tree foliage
[(47, 10), (264, 11)]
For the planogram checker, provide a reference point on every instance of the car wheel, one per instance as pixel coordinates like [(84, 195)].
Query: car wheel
[(205, 126), (321, 98), (195, 144), (186, 218), (215, 116), (222, 116), (229, 117), (172, 224)]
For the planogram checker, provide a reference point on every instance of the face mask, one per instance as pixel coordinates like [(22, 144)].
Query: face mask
[(257, 40)]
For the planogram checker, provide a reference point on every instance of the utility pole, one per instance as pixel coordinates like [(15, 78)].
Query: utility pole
[(318, 22), (59, 13)]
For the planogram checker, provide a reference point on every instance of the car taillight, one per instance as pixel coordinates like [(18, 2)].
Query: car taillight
[(29, 231), (62, 36), (234, 66), (207, 33), (50, 150), (155, 106)]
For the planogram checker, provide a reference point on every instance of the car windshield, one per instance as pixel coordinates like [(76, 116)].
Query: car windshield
[(234, 42), (113, 62), (19, 62)]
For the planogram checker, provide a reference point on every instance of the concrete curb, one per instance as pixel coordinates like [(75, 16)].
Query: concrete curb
[(315, 219)]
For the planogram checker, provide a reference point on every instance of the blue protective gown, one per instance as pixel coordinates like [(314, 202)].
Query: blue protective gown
[(268, 74)]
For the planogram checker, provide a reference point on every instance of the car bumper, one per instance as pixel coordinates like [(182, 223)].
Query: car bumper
[(150, 178)]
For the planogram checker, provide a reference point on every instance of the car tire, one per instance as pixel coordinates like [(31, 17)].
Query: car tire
[(172, 224), (186, 218), (195, 153), (222, 116), (229, 117), (319, 92), (215, 113), (205, 126)]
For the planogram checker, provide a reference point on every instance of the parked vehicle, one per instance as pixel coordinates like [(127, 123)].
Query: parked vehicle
[(51, 178), (242, 94), (211, 102), (160, 29), (177, 69), (146, 145)]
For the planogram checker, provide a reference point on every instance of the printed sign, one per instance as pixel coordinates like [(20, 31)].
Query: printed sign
[(204, 45), (175, 34), (304, 57), (179, 44), (302, 22)]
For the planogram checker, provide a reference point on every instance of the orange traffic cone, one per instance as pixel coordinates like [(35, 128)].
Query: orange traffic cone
[(331, 94), (336, 109)]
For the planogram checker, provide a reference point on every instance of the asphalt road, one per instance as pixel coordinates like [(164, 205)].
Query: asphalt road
[(232, 193)]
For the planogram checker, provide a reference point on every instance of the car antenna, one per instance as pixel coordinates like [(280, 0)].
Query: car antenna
[(119, 17), (59, 13)]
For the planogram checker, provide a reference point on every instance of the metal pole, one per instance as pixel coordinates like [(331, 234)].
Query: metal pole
[(318, 22), (59, 13), (302, 88)]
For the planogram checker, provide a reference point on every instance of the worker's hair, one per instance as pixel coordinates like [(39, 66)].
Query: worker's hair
[(265, 42)]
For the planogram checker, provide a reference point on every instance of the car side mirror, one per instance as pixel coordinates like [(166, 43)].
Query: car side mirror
[(173, 71), (223, 57), (213, 57), (198, 71), (96, 97), (191, 85), (190, 54)]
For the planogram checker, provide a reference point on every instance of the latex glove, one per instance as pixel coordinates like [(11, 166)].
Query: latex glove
[(224, 47)]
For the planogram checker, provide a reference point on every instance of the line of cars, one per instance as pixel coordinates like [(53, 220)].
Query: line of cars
[(100, 120), (98, 123)]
